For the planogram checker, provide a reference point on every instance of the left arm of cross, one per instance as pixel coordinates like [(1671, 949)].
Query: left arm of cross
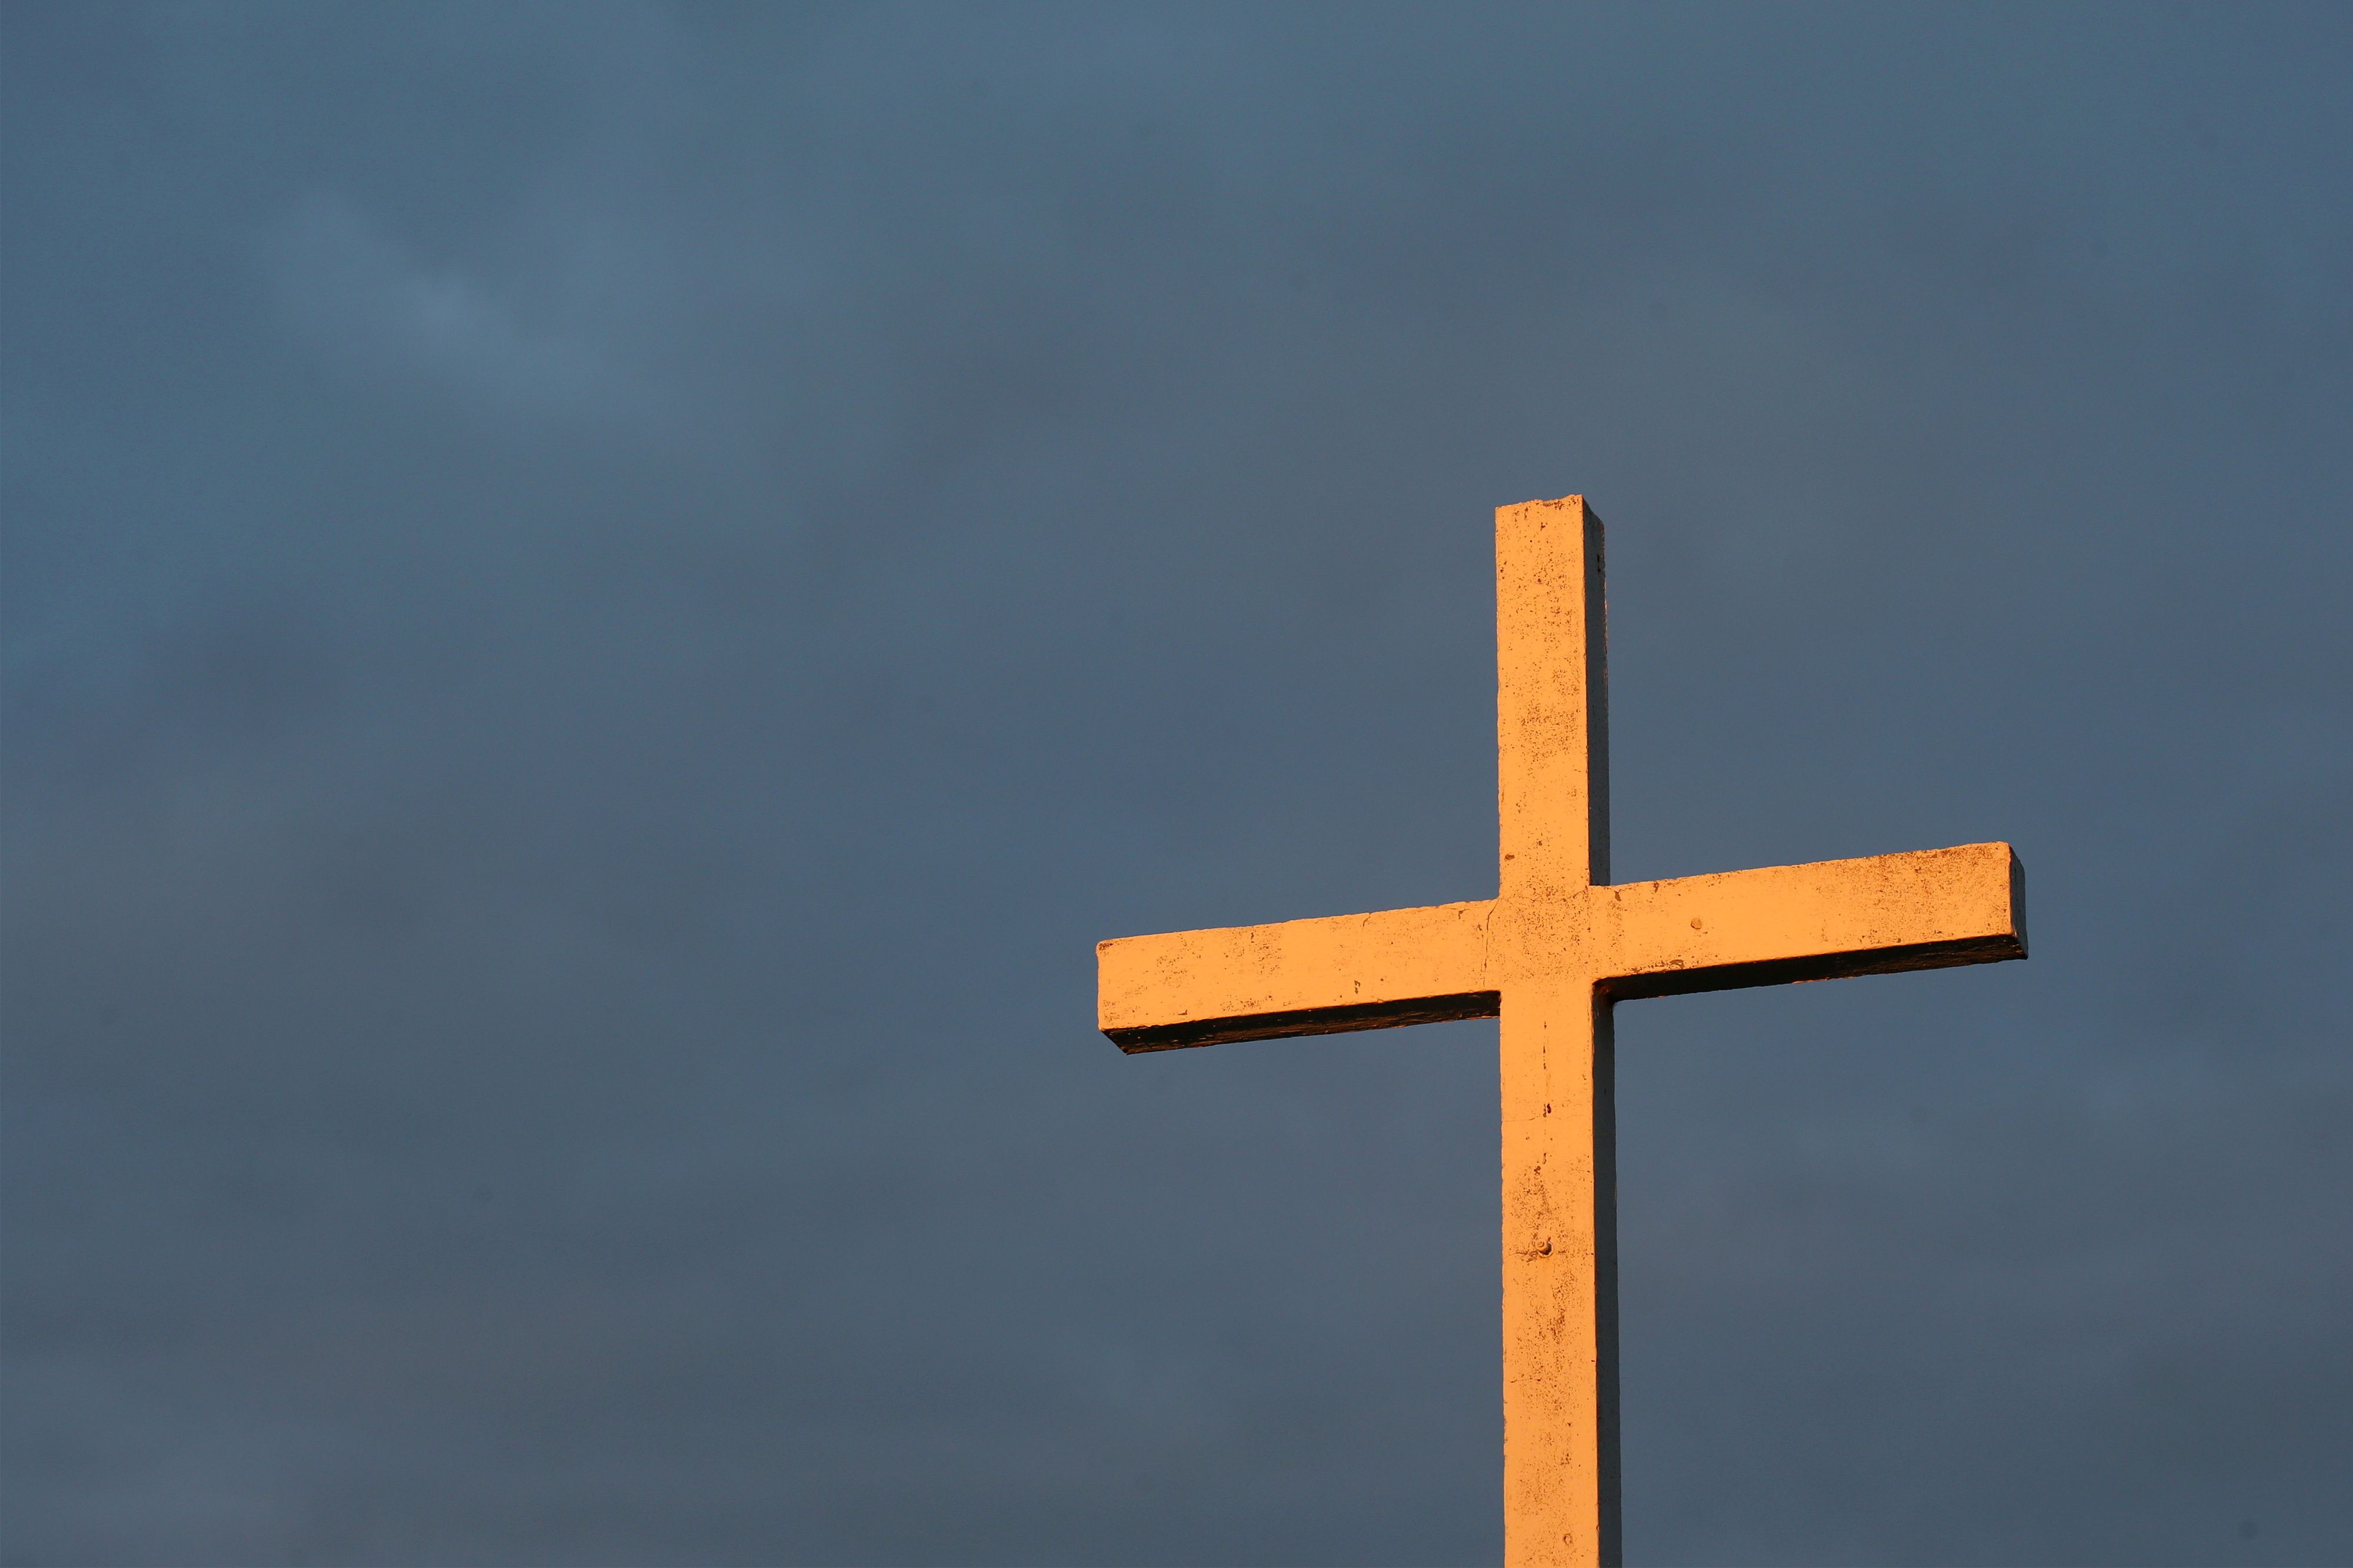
[(1875, 916), (1298, 977)]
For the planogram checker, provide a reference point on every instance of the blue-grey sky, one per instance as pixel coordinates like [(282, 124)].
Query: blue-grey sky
[(603, 603)]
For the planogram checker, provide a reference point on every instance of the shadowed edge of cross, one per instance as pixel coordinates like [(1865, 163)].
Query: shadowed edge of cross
[(1338, 1020)]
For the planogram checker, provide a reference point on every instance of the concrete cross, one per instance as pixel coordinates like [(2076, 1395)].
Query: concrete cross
[(1550, 954)]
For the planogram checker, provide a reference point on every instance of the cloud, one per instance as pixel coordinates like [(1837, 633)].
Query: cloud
[(366, 306)]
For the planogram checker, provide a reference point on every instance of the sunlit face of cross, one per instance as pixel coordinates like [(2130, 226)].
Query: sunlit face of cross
[(1550, 954)]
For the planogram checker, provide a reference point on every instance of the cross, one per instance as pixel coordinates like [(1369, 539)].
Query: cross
[(1550, 955)]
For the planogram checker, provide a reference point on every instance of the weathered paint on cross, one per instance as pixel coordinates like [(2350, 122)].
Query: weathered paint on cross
[(1551, 954)]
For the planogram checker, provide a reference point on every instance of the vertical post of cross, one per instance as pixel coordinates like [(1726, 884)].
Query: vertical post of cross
[(1558, 1114)]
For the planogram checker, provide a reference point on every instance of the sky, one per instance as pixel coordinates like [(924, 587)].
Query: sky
[(602, 604)]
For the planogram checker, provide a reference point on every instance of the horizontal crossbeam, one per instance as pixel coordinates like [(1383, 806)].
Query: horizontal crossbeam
[(1881, 915)]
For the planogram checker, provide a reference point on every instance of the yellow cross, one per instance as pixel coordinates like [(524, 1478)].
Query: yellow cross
[(1550, 954)]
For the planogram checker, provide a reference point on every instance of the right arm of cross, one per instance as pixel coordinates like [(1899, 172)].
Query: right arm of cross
[(1928, 909), (1299, 977)]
